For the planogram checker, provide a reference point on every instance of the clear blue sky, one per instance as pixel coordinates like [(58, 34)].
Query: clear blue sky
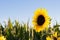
[(22, 10)]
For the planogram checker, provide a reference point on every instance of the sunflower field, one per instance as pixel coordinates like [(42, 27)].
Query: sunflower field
[(41, 29)]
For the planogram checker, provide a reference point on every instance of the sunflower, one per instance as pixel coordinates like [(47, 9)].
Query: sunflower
[(54, 38), (51, 38), (58, 38), (55, 34), (2, 38), (40, 19), (48, 38)]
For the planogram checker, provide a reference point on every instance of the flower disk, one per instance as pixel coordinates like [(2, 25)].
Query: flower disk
[(40, 20)]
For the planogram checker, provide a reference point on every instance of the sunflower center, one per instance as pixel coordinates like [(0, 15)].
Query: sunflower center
[(40, 20), (54, 38)]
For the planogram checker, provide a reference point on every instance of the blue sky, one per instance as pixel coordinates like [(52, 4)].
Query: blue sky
[(23, 10)]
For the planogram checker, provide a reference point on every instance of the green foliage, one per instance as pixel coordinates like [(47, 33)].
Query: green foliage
[(20, 31)]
